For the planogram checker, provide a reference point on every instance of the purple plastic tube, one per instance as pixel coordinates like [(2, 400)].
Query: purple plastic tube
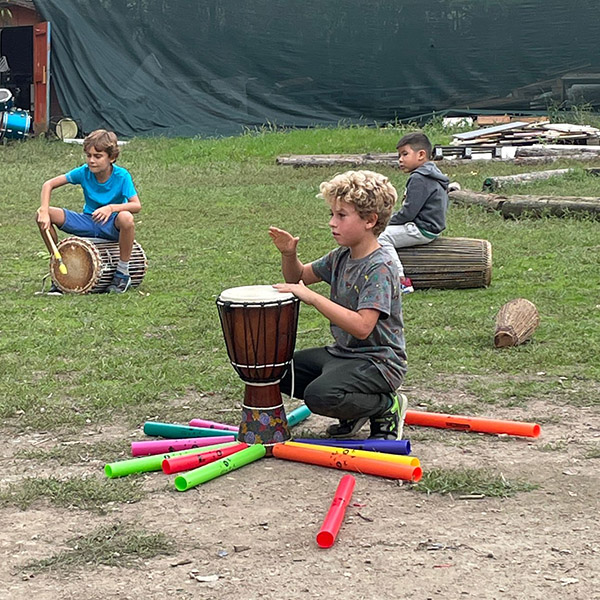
[(387, 446), (148, 448)]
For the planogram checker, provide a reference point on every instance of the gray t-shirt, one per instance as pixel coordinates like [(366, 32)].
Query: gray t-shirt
[(369, 282)]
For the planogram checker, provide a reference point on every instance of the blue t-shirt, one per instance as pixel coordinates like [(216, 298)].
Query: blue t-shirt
[(369, 282), (117, 190)]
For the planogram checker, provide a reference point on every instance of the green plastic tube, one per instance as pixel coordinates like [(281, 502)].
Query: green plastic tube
[(298, 415), (145, 464), (171, 431), (190, 479)]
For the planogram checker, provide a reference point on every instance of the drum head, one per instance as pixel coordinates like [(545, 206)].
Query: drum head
[(83, 266), (254, 294), (66, 129)]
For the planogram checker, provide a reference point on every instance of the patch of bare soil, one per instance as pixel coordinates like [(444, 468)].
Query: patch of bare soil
[(251, 534)]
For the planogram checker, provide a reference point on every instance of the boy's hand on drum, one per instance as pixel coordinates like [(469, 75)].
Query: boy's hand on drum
[(286, 243), (298, 289), (102, 214)]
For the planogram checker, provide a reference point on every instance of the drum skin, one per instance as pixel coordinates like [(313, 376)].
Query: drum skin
[(91, 264)]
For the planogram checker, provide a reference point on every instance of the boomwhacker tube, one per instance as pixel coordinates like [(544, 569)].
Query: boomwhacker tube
[(211, 425), (147, 448), (169, 430), (387, 446), (335, 514), (176, 464), (413, 461), (294, 417), (298, 415), (348, 463), (220, 467), (144, 464), (476, 424)]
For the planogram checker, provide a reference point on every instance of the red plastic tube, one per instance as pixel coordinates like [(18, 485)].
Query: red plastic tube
[(477, 424), (188, 462), (347, 462), (335, 514)]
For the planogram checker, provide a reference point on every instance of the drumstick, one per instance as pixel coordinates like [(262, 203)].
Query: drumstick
[(61, 265)]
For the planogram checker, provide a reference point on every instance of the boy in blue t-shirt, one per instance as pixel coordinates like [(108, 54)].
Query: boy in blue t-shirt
[(355, 378), (110, 203)]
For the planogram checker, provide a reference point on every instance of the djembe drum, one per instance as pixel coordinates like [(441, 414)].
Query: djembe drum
[(91, 264), (259, 325)]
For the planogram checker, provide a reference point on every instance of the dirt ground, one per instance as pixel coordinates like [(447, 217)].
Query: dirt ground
[(251, 534)]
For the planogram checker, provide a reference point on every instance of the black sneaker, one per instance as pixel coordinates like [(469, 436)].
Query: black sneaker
[(390, 424), (346, 428), (54, 291), (120, 283)]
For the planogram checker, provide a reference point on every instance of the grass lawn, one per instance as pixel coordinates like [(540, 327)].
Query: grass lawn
[(68, 361)]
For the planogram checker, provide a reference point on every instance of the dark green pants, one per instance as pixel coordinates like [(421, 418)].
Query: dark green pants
[(342, 388)]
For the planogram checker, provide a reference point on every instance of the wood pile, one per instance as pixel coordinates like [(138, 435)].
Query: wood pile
[(523, 133)]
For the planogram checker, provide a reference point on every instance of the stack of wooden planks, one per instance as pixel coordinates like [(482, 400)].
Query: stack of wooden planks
[(523, 133)]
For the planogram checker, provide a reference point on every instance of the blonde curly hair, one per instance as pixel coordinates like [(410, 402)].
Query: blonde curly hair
[(369, 193)]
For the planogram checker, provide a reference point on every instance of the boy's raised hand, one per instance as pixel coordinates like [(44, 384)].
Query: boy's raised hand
[(285, 242)]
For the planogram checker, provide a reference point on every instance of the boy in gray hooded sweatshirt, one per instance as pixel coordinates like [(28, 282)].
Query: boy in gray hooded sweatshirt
[(422, 217)]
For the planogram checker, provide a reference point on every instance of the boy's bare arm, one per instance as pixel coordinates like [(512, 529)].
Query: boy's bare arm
[(357, 323), (43, 216)]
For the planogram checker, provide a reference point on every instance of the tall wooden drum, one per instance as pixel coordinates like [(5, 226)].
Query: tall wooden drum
[(449, 263), (259, 325), (91, 264)]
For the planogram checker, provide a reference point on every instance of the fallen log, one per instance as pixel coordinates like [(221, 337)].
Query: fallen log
[(558, 206), (495, 183), (555, 150), (468, 197), (544, 160), (328, 160), (519, 205)]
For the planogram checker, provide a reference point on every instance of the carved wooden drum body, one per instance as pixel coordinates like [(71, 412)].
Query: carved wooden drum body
[(259, 325), (91, 264)]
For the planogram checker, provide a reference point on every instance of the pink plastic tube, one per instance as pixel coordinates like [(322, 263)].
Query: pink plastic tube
[(337, 510), (165, 446), (211, 425)]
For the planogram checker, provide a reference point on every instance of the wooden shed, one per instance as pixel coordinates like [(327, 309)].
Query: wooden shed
[(25, 67)]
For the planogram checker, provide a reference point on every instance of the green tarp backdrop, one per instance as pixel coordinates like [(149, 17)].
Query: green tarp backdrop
[(214, 67)]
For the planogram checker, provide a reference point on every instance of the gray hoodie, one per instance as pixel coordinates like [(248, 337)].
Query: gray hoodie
[(425, 200)]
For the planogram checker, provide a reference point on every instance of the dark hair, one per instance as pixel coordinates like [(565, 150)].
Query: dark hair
[(417, 141)]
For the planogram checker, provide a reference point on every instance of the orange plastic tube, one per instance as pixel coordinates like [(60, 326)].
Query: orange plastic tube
[(176, 464), (335, 514), (346, 462), (413, 461), (477, 424)]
